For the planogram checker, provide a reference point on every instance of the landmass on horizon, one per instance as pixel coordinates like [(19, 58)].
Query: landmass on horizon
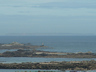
[(49, 34)]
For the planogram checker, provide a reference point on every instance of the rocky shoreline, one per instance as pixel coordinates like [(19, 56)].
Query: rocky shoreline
[(16, 45), (72, 65), (28, 50), (46, 54), (31, 51)]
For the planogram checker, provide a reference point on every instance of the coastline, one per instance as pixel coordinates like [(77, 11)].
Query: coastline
[(46, 54), (31, 51), (64, 65)]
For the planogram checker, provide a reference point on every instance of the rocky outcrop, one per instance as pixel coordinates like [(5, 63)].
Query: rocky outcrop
[(80, 65), (38, 53), (16, 45)]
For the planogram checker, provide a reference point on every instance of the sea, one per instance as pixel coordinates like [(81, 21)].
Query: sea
[(56, 43), (72, 44)]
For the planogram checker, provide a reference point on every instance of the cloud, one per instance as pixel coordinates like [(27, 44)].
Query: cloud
[(48, 7), (49, 3), (68, 5)]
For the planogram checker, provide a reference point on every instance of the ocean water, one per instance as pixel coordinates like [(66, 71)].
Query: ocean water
[(29, 70), (26, 70), (57, 43), (37, 59), (54, 43)]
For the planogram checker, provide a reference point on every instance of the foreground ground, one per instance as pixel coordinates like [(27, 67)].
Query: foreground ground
[(72, 65)]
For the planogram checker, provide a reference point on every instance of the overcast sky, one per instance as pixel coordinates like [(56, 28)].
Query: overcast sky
[(47, 17)]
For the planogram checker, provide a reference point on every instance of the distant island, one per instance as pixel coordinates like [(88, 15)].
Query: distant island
[(46, 54), (16, 45), (28, 50)]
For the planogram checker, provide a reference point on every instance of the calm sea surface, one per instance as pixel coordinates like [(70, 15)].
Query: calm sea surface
[(54, 43), (57, 43), (29, 70)]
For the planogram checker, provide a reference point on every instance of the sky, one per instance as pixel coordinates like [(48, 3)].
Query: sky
[(47, 17)]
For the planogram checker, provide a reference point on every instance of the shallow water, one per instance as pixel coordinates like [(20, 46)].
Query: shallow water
[(30, 70), (36, 59), (4, 50), (24, 70)]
